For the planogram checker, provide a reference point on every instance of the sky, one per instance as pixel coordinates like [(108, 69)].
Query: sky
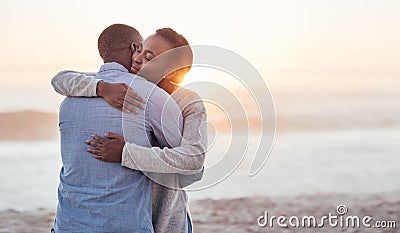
[(40, 38)]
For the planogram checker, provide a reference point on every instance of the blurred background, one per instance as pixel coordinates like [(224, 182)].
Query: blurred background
[(332, 68)]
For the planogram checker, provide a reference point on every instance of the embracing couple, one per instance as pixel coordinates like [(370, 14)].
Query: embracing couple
[(128, 154)]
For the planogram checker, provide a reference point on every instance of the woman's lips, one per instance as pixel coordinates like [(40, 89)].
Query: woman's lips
[(134, 70)]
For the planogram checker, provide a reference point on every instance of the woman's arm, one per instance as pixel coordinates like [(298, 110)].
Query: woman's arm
[(187, 159), (80, 84), (72, 83)]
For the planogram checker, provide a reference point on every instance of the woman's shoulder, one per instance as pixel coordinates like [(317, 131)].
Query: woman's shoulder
[(187, 99), (185, 93)]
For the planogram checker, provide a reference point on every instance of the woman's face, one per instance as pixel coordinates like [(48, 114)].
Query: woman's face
[(153, 46)]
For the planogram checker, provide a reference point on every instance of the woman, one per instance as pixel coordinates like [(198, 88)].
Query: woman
[(184, 163)]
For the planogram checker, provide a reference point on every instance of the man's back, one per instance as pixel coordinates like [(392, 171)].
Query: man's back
[(96, 196)]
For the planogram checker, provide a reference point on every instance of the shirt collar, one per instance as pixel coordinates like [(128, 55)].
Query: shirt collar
[(113, 66)]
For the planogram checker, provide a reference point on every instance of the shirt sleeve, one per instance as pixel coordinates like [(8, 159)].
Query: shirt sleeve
[(72, 83), (187, 158)]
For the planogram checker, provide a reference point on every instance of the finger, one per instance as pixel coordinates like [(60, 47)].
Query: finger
[(95, 152), (113, 135), (117, 105), (99, 139), (120, 104), (133, 102), (132, 94), (129, 108), (102, 158), (93, 144)]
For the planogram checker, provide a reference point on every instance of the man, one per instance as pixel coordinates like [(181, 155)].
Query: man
[(94, 196)]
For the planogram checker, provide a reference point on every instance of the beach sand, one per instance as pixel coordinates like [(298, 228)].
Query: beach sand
[(240, 215)]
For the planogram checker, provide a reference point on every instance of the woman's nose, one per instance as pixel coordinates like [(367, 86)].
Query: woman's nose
[(137, 59)]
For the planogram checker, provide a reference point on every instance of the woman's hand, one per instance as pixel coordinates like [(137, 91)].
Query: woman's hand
[(120, 96), (107, 150)]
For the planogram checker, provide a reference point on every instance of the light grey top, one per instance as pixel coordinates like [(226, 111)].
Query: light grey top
[(184, 163)]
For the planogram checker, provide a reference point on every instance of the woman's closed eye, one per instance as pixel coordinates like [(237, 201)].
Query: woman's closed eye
[(149, 56)]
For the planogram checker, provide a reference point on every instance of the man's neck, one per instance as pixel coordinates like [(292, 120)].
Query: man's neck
[(119, 61)]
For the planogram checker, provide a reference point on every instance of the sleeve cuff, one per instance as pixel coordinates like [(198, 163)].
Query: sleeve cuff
[(93, 89), (126, 160)]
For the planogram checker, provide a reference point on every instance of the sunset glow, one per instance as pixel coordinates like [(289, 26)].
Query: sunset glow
[(40, 38)]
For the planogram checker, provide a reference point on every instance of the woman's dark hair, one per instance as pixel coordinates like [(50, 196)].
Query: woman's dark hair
[(176, 40)]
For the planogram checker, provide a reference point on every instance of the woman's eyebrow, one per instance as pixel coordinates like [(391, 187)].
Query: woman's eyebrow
[(149, 51)]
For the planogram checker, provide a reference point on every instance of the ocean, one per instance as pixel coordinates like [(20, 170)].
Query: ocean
[(322, 162), (335, 135)]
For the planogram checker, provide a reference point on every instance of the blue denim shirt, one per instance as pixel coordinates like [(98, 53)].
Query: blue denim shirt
[(95, 196)]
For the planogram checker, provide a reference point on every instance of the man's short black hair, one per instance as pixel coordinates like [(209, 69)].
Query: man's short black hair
[(117, 37)]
